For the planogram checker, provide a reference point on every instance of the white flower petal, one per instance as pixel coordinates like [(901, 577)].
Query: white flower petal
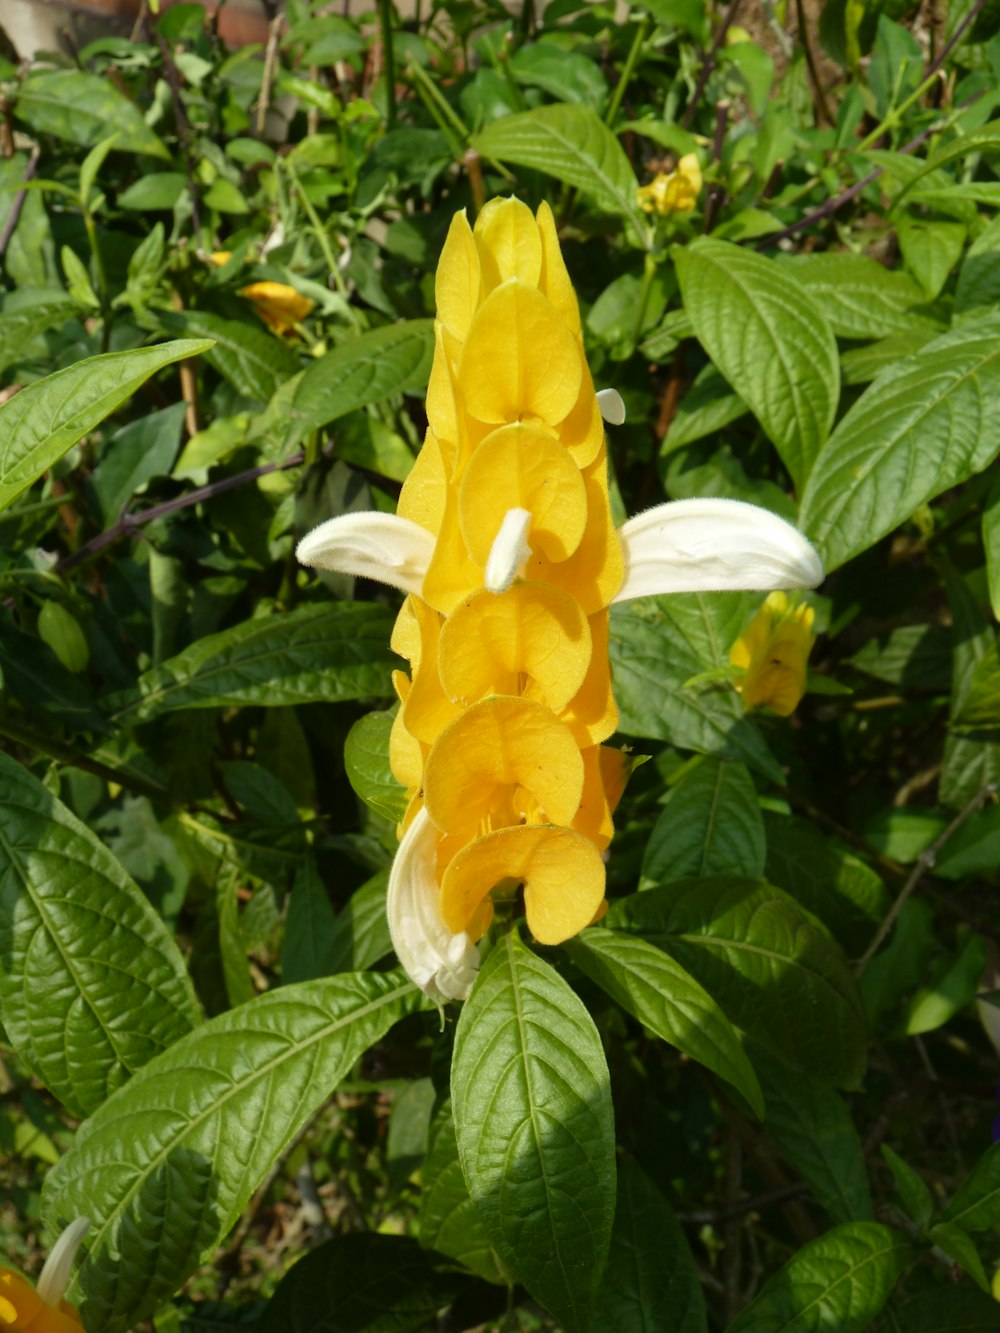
[(59, 1265), (612, 406), (442, 964), (714, 546), (509, 551), (383, 547)]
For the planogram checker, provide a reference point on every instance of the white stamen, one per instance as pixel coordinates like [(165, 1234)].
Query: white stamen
[(377, 546), (509, 551), (442, 964), (612, 406), (714, 546), (55, 1275)]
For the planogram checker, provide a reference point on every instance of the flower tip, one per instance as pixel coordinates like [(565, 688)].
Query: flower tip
[(612, 406), (509, 551), (383, 547), (58, 1266)]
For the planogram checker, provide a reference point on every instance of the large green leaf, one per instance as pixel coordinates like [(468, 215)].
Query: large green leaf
[(976, 1206), (84, 109), (532, 1105), (711, 825), (20, 326), (770, 340), (772, 967), (657, 645), (840, 1281), (364, 370), (165, 1167), (256, 363), (91, 984), (449, 1222), (360, 934), (859, 297), (656, 990), (313, 654), (574, 145), (43, 421), (651, 1284), (923, 426)]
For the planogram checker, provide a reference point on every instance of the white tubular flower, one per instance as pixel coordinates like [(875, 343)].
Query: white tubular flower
[(714, 546), (612, 406), (442, 964), (383, 547), (509, 551), (59, 1265)]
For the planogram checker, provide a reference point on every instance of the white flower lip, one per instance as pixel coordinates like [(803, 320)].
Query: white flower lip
[(442, 964), (55, 1275), (371, 545), (714, 546), (509, 551), (612, 406)]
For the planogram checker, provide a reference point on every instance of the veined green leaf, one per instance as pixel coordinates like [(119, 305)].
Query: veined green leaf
[(859, 297), (92, 986), (366, 759), (771, 966), (449, 1221), (532, 1105), (665, 998), (165, 1167), (307, 946), (840, 1281), (84, 109), (770, 339), (364, 370), (43, 421), (914, 1192), (18, 328), (976, 1206), (360, 930), (923, 426), (574, 145), (711, 825), (256, 363), (338, 650)]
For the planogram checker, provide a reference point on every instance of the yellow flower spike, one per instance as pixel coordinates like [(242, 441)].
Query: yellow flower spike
[(592, 714), (593, 818), (25, 1309), (562, 873), (582, 432), (442, 403), (457, 281), (520, 359), (674, 191), (427, 710), (406, 754), (555, 281), (532, 631), (451, 574), (773, 652), (595, 573), (425, 490), (278, 305), (496, 746), (509, 245), (522, 467)]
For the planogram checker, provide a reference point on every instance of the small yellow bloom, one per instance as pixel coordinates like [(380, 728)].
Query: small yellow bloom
[(278, 305), (25, 1309), (673, 191), (773, 651)]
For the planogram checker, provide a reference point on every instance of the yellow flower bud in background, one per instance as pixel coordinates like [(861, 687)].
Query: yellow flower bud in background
[(278, 305), (673, 191), (773, 651)]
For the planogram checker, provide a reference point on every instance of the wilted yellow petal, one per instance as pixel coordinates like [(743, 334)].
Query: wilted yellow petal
[(555, 281), (520, 359), (595, 572), (456, 284), (531, 640), (591, 714), (495, 747), (522, 467), (562, 873), (278, 304), (508, 243)]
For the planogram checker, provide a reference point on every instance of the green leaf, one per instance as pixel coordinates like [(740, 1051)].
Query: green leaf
[(959, 1245), (313, 654), (361, 1283), (143, 449), (159, 191), (256, 363), (950, 1309), (770, 340), (61, 630), (574, 145), (85, 109), (307, 949), (565, 75), (368, 368), (366, 761), (813, 1130), (980, 707), (652, 987), (78, 282), (532, 1105), (913, 656), (360, 931), (978, 288), (840, 1281), (165, 1167), (711, 825), (232, 949), (862, 364), (46, 419), (708, 406), (92, 164), (914, 1192), (859, 297), (657, 646), (950, 991), (651, 1284), (770, 965), (976, 1206), (991, 543), (449, 1221), (92, 986), (923, 426), (19, 328), (930, 251)]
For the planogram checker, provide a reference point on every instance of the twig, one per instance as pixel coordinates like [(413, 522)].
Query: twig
[(18, 204), (925, 861), (716, 1216), (270, 58), (822, 106), (717, 192), (183, 128), (709, 65), (956, 37)]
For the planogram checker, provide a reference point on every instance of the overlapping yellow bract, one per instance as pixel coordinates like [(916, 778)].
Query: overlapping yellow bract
[(23, 1309), (499, 731)]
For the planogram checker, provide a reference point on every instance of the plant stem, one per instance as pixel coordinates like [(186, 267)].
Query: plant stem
[(388, 60), (709, 65), (65, 754), (630, 63)]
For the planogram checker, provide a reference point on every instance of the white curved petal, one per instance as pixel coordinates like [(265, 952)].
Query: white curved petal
[(612, 406), (377, 546), (509, 551), (442, 964), (714, 546), (55, 1275)]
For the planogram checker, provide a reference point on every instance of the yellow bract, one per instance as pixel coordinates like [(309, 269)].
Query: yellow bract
[(22, 1309), (773, 652), (673, 191), (498, 736)]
